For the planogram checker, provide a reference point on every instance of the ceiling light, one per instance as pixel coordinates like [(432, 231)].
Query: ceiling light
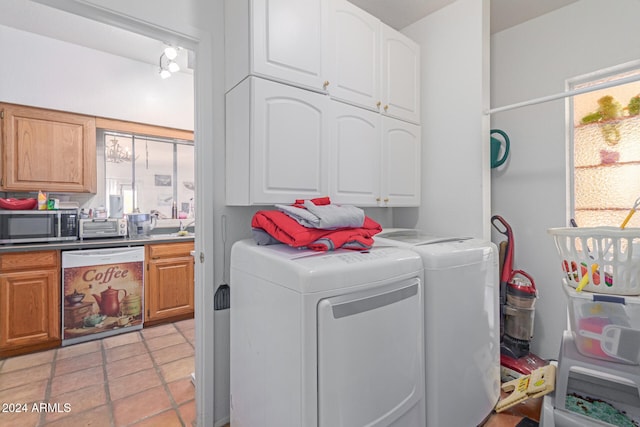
[(174, 67), (171, 52)]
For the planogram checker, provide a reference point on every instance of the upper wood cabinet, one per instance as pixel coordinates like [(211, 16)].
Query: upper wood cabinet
[(281, 39), (47, 150)]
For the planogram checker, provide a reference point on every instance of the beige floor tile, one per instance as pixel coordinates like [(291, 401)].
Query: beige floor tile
[(134, 383), (190, 335), (96, 417), (188, 413), (78, 363), (79, 349), (27, 393), (165, 419), (158, 331), (122, 339), (185, 324), (76, 380), (25, 376), (125, 351), (139, 406), (182, 390), (165, 341), (79, 401), (27, 361), (178, 369), (123, 367), (175, 352), (19, 419)]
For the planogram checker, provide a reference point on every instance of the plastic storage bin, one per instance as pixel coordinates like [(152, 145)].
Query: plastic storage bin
[(609, 256), (605, 327)]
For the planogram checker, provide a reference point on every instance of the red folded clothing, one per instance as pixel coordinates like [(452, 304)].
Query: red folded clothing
[(285, 229)]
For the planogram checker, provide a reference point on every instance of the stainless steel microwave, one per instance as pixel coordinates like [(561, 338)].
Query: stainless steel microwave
[(38, 226)]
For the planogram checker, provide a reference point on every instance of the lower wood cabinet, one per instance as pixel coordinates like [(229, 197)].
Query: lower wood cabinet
[(29, 302), (169, 282)]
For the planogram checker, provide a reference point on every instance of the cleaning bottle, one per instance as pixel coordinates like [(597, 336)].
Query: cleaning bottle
[(42, 201)]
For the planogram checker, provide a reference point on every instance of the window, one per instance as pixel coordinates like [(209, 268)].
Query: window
[(149, 173), (606, 151)]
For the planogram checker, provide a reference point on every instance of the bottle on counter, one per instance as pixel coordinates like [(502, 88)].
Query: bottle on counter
[(174, 210), (42, 201)]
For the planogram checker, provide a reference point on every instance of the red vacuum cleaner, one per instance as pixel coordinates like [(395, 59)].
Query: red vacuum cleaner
[(518, 295)]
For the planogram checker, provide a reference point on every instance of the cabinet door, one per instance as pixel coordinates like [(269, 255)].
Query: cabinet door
[(288, 40), (290, 148), (354, 175), (400, 163), (47, 150), (354, 55), (29, 309), (169, 287), (400, 75)]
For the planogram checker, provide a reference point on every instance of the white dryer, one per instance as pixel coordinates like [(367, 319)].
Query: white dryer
[(326, 339), (462, 324)]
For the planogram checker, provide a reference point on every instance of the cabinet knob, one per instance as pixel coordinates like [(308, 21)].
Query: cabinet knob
[(377, 199), (325, 84), (386, 200), (386, 107), (378, 104)]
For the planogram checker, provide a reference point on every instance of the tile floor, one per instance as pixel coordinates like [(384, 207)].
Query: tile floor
[(141, 378)]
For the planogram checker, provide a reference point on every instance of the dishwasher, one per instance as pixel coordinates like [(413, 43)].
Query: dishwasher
[(103, 293)]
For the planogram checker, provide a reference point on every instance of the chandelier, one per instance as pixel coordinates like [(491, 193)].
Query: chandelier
[(114, 152)]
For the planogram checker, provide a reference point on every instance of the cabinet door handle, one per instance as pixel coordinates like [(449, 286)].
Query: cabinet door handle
[(386, 107), (325, 84), (378, 104)]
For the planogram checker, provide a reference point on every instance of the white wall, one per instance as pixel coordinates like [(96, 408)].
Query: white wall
[(40, 71), (455, 88), (531, 60)]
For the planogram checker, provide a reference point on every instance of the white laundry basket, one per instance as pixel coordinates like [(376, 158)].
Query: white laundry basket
[(610, 256)]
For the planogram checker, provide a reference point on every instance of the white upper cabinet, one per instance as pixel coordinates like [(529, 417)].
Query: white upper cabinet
[(280, 39), (400, 163), (354, 155), (277, 143), (354, 55), (374, 160), (400, 75)]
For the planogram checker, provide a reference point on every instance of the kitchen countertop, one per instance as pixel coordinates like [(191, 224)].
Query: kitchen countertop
[(113, 242)]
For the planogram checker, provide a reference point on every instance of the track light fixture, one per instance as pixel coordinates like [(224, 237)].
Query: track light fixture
[(167, 63)]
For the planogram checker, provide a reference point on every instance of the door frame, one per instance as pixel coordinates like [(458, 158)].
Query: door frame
[(202, 43)]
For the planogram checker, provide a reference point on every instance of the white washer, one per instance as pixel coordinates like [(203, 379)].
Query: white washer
[(462, 325), (326, 339)]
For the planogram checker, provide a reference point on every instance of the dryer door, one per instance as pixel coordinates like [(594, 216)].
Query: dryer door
[(370, 357)]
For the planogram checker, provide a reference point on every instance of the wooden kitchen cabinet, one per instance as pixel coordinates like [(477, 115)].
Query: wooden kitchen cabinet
[(169, 282), (29, 302), (47, 150)]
